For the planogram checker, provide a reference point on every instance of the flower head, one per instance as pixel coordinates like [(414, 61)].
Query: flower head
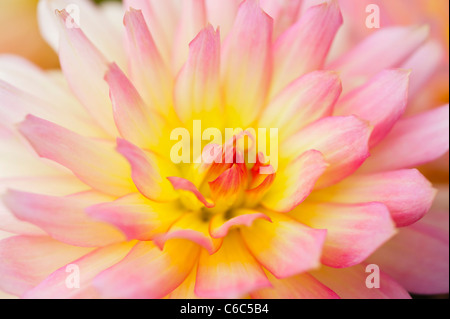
[(117, 177)]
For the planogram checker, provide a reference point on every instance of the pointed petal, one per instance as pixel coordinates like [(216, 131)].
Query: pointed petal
[(136, 216), (284, 246), (407, 193), (304, 46), (134, 120), (302, 286), (94, 162), (350, 283), (381, 101), (343, 141), (418, 256), (192, 20), (246, 75), (193, 227), (229, 273), (78, 58), (295, 182), (148, 70), (161, 18), (145, 172), (222, 14), (197, 88), (306, 100), (369, 57), (413, 141), (63, 218)]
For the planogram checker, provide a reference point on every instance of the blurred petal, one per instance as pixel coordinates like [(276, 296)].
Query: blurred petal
[(89, 266), (418, 256), (26, 261), (413, 141), (343, 141), (146, 272), (350, 283), (369, 57), (302, 286), (381, 101)]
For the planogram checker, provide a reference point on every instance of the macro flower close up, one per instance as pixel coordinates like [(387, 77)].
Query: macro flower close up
[(215, 149)]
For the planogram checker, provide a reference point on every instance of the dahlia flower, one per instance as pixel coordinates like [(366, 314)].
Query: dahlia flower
[(94, 174)]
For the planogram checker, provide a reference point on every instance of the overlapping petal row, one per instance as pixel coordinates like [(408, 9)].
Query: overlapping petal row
[(88, 178)]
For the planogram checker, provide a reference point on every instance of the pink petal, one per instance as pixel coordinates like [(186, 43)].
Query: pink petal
[(89, 266), (304, 46), (26, 261), (302, 286), (148, 70), (93, 162), (418, 256), (134, 120), (350, 283), (220, 226), (413, 141), (182, 184), (222, 14), (283, 12), (246, 75), (161, 18), (63, 218), (295, 182), (146, 272), (197, 89), (304, 101), (353, 231), (369, 57), (284, 247), (381, 101), (343, 141), (78, 58), (193, 19), (136, 216), (406, 193), (193, 227), (145, 172), (230, 273)]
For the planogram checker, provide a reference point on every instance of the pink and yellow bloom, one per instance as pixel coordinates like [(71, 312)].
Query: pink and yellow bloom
[(88, 178)]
